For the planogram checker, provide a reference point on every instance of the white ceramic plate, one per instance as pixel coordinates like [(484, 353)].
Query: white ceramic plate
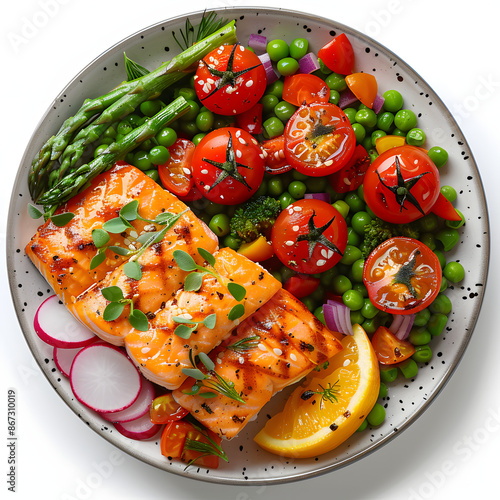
[(407, 398)]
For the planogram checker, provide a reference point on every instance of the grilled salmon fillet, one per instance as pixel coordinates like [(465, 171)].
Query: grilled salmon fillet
[(275, 347), (63, 254), (161, 354)]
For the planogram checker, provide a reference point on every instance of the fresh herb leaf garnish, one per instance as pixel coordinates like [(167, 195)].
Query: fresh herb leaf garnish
[(245, 344), (188, 326), (117, 302), (133, 69), (59, 220)]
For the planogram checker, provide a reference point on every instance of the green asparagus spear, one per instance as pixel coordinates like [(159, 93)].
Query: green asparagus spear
[(118, 103), (77, 180)]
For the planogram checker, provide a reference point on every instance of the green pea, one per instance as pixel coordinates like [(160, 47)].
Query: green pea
[(376, 416), (277, 49), (369, 311), (159, 155), (142, 160), (350, 114), (150, 108), (441, 257), (342, 207), (107, 141), (382, 392), (438, 155), (398, 132), (428, 240), (298, 176), (429, 222), (436, 324), (205, 121), (370, 325), (287, 66), (134, 120), (310, 303), (340, 284), (336, 82), (286, 199), (351, 255), (147, 145), (353, 300), (393, 101), (197, 138), (415, 137), (385, 121), (359, 132), (318, 312), (275, 186), (359, 221), (419, 336), (356, 317), (124, 127), (166, 137), (357, 267), (232, 242), (441, 304), (219, 224), (449, 192), (316, 184), (187, 92), (269, 102), (363, 426), (99, 150), (409, 368), (298, 48), (376, 134), (422, 317), (284, 110), (153, 173), (366, 117), (361, 288), (275, 89), (110, 132), (297, 189), (448, 237), (327, 276), (422, 354), (388, 375), (405, 120), (334, 97), (356, 204), (454, 272), (353, 238), (273, 127)]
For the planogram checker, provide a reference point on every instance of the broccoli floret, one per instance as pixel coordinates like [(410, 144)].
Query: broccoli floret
[(255, 218), (377, 231)]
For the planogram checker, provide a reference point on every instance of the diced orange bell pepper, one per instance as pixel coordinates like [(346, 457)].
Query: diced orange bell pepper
[(257, 250), (382, 144), (363, 86)]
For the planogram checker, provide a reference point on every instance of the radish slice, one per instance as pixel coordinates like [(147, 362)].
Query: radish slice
[(103, 378), (141, 428), (56, 326), (140, 407), (63, 358)]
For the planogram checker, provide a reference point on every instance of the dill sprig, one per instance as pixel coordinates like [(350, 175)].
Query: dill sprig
[(327, 393), (206, 449), (190, 35), (246, 344)]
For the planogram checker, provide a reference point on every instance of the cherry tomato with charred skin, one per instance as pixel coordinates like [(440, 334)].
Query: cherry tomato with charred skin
[(230, 80), (228, 166), (319, 139), (401, 185), (309, 236), (402, 276)]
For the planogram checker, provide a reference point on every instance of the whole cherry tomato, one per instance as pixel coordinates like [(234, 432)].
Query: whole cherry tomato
[(401, 185), (228, 166), (319, 139), (309, 236), (230, 80)]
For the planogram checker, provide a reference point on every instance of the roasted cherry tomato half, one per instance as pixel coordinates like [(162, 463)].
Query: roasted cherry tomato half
[(173, 438), (319, 139), (301, 285), (304, 88), (164, 409), (230, 80), (389, 349), (200, 458), (309, 236), (338, 55), (274, 155), (402, 276), (175, 175), (401, 185), (228, 166), (351, 176)]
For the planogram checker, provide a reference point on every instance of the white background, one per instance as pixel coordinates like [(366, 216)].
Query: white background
[(451, 451)]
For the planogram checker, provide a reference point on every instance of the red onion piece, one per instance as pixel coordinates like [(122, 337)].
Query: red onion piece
[(309, 63), (342, 315), (271, 74), (401, 325), (346, 99), (258, 43), (318, 196), (330, 319), (378, 103)]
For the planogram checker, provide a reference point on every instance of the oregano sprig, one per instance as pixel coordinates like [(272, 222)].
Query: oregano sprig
[(117, 303), (59, 220)]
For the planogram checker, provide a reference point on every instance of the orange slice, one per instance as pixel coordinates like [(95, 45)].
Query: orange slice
[(311, 423)]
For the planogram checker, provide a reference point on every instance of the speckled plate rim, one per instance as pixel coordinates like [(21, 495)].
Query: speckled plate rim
[(115, 439)]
